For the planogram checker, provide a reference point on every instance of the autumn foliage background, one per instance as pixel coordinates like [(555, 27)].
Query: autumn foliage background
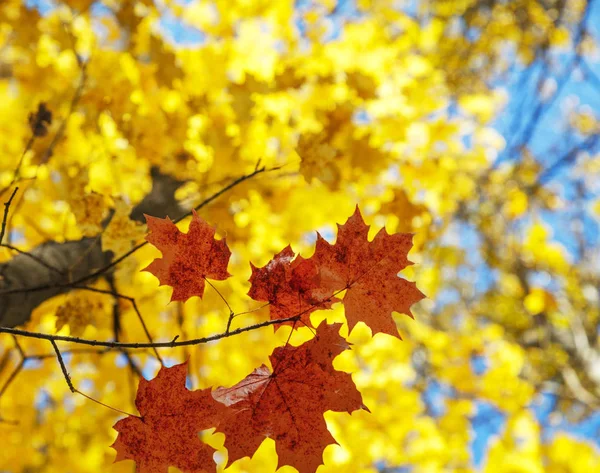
[(472, 124)]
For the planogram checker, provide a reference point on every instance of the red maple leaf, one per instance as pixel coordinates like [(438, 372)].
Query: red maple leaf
[(291, 286), (166, 434), (368, 272), (188, 259), (288, 403)]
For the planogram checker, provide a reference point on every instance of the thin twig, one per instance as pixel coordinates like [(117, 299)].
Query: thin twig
[(17, 370), (182, 329), (229, 320), (74, 390), (117, 325), (37, 259), (6, 208), (135, 308), (138, 345), (63, 367), (19, 347), (12, 377), (81, 351), (4, 360), (19, 164)]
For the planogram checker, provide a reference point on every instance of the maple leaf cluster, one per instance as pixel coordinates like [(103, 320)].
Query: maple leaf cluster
[(287, 401)]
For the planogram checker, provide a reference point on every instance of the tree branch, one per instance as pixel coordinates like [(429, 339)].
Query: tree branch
[(137, 345)]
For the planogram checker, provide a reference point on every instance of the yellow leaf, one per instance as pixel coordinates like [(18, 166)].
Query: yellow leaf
[(538, 300), (122, 232), (78, 311)]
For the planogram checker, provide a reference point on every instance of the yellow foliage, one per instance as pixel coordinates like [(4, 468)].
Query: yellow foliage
[(385, 108), (121, 233), (78, 311), (567, 455)]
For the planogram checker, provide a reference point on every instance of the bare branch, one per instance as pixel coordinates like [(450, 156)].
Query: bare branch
[(117, 295), (138, 345), (73, 389), (6, 209)]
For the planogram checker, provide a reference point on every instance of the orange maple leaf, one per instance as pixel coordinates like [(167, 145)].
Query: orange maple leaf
[(288, 403), (368, 271), (188, 259), (166, 434), (291, 286)]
